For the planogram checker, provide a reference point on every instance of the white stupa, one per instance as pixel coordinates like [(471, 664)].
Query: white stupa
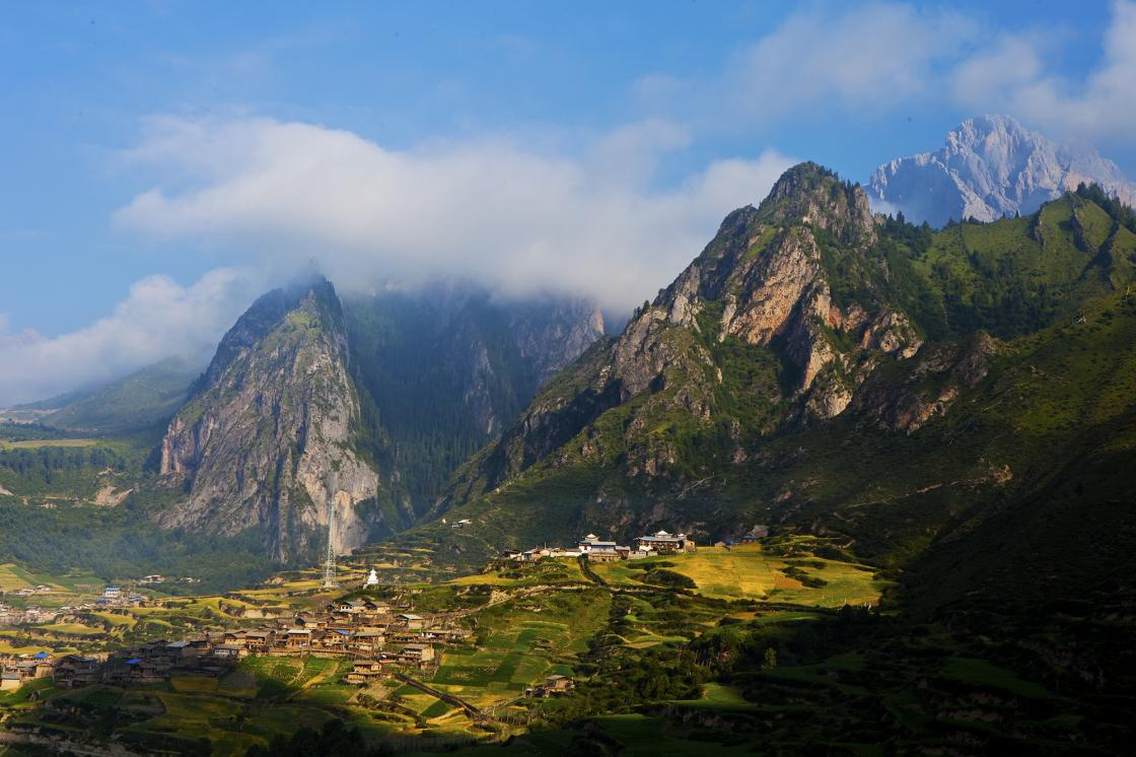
[(372, 578)]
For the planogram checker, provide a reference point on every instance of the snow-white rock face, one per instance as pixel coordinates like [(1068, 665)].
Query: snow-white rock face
[(991, 167)]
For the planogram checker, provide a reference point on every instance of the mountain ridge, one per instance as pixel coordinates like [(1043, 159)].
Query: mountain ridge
[(705, 414), (991, 166)]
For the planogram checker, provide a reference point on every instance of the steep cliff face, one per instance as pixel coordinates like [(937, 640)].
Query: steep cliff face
[(266, 442), (750, 338), (820, 367), (990, 167)]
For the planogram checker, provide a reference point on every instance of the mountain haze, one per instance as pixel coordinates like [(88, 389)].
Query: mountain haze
[(364, 406), (137, 401), (450, 365)]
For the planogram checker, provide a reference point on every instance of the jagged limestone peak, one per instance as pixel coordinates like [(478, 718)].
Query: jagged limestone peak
[(265, 444)]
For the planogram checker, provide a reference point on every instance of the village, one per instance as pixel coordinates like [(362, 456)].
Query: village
[(375, 635), (380, 640), (34, 614)]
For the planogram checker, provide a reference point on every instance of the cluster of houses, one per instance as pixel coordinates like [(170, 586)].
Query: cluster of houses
[(16, 616), (113, 596), (377, 638), (596, 549), (31, 591), (153, 662), (16, 670)]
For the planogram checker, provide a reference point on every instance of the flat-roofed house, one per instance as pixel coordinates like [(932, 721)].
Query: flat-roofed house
[(366, 641), (77, 670), (259, 641), (598, 550), (229, 651), (554, 685), (364, 672), (234, 638), (298, 638), (415, 655), (664, 543), (411, 621)]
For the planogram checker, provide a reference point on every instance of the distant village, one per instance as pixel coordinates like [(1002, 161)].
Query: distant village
[(380, 640), (112, 596), (595, 549), (376, 636)]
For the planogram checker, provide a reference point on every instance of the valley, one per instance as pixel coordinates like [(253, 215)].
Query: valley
[(901, 452), (511, 630), (619, 379)]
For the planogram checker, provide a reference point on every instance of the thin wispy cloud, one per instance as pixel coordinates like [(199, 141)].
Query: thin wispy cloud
[(1012, 76)]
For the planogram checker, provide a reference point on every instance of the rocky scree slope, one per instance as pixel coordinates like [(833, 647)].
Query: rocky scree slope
[(266, 442)]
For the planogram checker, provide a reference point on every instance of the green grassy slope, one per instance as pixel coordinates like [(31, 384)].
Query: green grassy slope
[(138, 401), (1053, 286)]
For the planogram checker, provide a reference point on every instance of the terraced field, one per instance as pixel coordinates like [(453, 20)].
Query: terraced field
[(749, 572), (528, 621)]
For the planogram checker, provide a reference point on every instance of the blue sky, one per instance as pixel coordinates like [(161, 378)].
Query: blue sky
[(150, 149)]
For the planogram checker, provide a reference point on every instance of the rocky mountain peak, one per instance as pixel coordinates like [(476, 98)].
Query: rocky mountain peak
[(811, 194), (266, 442), (314, 294), (991, 166), (762, 288)]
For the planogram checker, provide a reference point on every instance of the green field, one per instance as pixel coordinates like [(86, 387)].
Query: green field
[(627, 641), (37, 443), (748, 572)]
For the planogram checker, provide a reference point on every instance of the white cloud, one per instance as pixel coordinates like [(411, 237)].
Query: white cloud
[(863, 59), (492, 210), (856, 62), (1010, 62), (158, 319), (861, 56), (1101, 106)]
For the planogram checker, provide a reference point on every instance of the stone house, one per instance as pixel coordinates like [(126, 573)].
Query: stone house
[(259, 641), (411, 621), (298, 638), (664, 543), (364, 672), (554, 685)]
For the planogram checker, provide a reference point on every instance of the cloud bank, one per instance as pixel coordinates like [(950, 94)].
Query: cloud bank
[(158, 319), (494, 210)]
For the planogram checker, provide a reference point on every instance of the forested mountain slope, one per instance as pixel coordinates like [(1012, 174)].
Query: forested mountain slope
[(138, 401), (449, 365), (819, 368)]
